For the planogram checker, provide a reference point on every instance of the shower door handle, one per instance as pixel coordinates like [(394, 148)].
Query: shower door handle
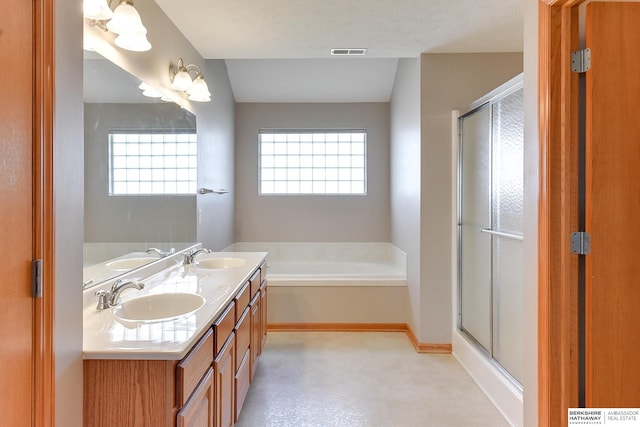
[(208, 190)]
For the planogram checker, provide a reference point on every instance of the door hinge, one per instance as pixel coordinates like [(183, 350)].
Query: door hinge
[(580, 243), (36, 278), (581, 60)]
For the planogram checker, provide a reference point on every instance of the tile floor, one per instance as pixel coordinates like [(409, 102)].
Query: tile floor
[(368, 379)]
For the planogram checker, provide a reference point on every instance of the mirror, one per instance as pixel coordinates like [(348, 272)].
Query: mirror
[(120, 227)]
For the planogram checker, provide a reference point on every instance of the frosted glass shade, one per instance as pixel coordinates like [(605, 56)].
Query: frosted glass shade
[(97, 9), (182, 80), (136, 42), (199, 91), (126, 20)]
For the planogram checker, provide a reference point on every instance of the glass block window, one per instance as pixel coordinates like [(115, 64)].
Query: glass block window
[(152, 163), (313, 162)]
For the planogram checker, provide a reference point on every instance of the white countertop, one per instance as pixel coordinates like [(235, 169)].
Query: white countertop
[(108, 337)]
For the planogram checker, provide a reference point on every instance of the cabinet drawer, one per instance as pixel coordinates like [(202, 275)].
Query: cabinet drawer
[(255, 283), (242, 300), (242, 383), (223, 326), (263, 272), (243, 336), (191, 369)]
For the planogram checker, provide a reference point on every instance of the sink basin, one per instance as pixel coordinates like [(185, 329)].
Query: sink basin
[(129, 263), (158, 307), (216, 263)]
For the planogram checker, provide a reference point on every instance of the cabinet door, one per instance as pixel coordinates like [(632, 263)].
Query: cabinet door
[(263, 309), (242, 382), (256, 333), (198, 412), (224, 367)]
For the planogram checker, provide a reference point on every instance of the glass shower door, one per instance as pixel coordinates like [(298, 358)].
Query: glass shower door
[(490, 229), (475, 246)]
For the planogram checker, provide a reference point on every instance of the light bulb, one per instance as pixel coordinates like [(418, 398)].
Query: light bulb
[(96, 9)]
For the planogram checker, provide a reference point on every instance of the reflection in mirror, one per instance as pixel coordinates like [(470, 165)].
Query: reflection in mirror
[(140, 173)]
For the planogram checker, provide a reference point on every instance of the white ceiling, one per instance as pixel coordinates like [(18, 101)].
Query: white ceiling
[(319, 80), (302, 32)]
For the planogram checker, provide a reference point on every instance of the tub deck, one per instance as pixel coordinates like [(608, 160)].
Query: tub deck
[(331, 264)]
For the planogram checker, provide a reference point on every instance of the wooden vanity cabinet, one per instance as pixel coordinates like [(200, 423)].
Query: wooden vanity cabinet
[(206, 388), (151, 392)]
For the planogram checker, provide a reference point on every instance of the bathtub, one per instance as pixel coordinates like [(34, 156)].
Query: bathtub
[(331, 263)]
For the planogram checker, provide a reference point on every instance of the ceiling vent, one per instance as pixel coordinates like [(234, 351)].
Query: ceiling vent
[(349, 52)]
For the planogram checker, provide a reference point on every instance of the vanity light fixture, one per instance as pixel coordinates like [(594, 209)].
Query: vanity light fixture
[(124, 21), (196, 89)]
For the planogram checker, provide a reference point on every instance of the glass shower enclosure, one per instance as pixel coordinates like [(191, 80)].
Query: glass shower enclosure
[(490, 224)]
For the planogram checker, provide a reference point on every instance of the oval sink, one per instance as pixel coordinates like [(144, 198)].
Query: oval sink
[(216, 263), (158, 307), (129, 263)]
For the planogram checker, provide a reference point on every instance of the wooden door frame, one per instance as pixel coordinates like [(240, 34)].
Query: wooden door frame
[(43, 209), (558, 339)]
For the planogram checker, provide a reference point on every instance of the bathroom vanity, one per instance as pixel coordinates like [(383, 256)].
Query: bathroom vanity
[(180, 352)]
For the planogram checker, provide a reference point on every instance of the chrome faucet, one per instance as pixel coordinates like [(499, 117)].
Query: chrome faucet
[(191, 257), (161, 253), (108, 299)]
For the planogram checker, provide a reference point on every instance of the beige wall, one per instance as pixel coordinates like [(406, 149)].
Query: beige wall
[(312, 218), (448, 82), (68, 197), (405, 175), (422, 171), (216, 141), (131, 218)]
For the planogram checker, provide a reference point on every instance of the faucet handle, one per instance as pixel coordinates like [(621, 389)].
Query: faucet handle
[(161, 253), (103, 299)]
